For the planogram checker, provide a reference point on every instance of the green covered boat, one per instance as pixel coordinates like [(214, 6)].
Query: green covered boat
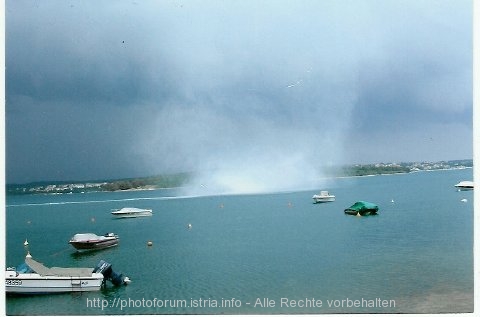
[(362, 208)]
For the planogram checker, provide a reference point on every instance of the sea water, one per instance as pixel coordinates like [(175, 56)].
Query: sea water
[(260, 254)]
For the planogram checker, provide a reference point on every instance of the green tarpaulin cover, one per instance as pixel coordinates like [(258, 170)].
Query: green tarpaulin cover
[(363, 206)]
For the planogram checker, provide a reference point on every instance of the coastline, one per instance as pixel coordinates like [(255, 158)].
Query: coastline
[(403, 173), (179, 180)]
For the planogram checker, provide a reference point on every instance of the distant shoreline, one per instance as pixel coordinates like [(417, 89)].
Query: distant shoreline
[(403, 173), (179, 180)]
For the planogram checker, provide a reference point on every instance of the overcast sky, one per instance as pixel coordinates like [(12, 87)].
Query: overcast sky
[(246, 93)]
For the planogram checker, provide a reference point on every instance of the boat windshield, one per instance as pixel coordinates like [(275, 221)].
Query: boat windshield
[(24, 268)]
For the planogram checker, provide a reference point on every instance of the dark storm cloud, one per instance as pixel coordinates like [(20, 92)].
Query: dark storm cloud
[(258, 95), (70, 53)]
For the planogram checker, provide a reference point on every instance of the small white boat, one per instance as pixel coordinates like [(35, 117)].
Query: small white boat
[(323, 197), (33, 277), (464, 185), (129, 212), (90, 241)]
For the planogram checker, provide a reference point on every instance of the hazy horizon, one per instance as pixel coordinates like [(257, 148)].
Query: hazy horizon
[(93, 180)]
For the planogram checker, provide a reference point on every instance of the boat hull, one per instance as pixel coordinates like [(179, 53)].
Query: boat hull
[(361, 213), (132, 213), (318, 200), (32, 283), (464, 188), (86, 245)]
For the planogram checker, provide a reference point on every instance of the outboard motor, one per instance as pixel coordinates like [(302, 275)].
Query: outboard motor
[(108, 274)]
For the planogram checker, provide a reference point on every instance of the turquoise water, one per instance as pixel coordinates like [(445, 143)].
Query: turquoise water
[(415, 256)]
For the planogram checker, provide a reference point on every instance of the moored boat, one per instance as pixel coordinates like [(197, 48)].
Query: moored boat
[(362, 208), (33, 277), (129, 212), (90, 241), (323, 197), (464, 185)]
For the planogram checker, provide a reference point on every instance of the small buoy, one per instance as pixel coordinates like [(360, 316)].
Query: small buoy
[(25, 243), (92, 219), (189, 226), (149, 243), (393, 201), (28, 222)]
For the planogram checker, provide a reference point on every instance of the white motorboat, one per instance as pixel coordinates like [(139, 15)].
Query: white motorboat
[(129, 212), (323, 197), (33, 277), (90, 241), (464, 185)]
